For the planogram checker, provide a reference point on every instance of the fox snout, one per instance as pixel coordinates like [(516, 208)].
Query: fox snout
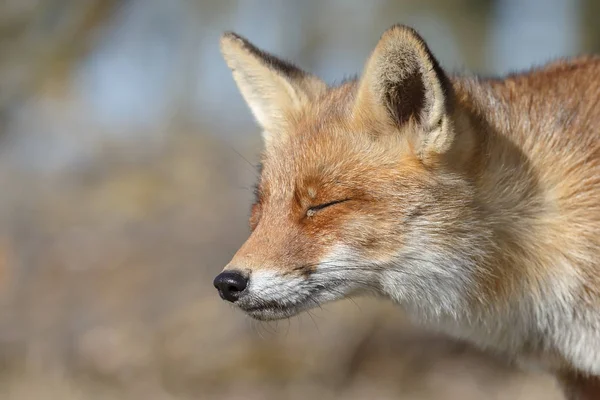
[(271, 291), (231, 285), (265, 294)]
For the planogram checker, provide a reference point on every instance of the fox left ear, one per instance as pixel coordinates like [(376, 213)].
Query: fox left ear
[(273, 88), (403, 83)]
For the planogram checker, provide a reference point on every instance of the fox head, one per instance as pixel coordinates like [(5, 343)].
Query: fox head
[(364, 188)]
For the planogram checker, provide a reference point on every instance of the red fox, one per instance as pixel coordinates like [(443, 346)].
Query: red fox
[(472, 203)]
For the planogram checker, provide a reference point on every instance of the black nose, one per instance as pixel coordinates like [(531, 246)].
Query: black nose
[(230, 284)]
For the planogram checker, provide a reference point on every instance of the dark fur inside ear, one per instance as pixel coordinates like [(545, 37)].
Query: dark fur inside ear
[(406, 99)]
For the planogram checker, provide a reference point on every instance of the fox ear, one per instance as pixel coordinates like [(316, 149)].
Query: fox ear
[(402, 83), (273, 88)]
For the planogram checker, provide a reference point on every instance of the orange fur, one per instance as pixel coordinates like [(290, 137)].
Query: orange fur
[(473, 203)]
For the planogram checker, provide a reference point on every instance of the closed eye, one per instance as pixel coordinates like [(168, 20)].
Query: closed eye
[(313, 210)]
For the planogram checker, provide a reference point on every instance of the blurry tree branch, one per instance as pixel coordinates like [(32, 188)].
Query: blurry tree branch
[(591, 28), (39, 42)]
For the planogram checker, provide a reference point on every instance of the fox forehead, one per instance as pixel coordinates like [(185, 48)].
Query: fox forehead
[(326, 146), (327, 118)]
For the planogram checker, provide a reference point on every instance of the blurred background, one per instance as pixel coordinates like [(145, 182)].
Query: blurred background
[(126, 166)]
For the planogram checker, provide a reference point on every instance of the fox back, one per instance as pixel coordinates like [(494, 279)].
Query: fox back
[(472, 203)]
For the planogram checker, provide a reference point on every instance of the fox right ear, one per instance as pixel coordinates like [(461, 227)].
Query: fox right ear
[(402, 83), (273, 88)]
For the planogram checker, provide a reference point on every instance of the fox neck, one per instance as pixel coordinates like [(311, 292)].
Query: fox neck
[(515, 206), (483, 276)]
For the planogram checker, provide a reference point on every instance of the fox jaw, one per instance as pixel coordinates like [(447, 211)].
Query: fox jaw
[(364, 187)]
